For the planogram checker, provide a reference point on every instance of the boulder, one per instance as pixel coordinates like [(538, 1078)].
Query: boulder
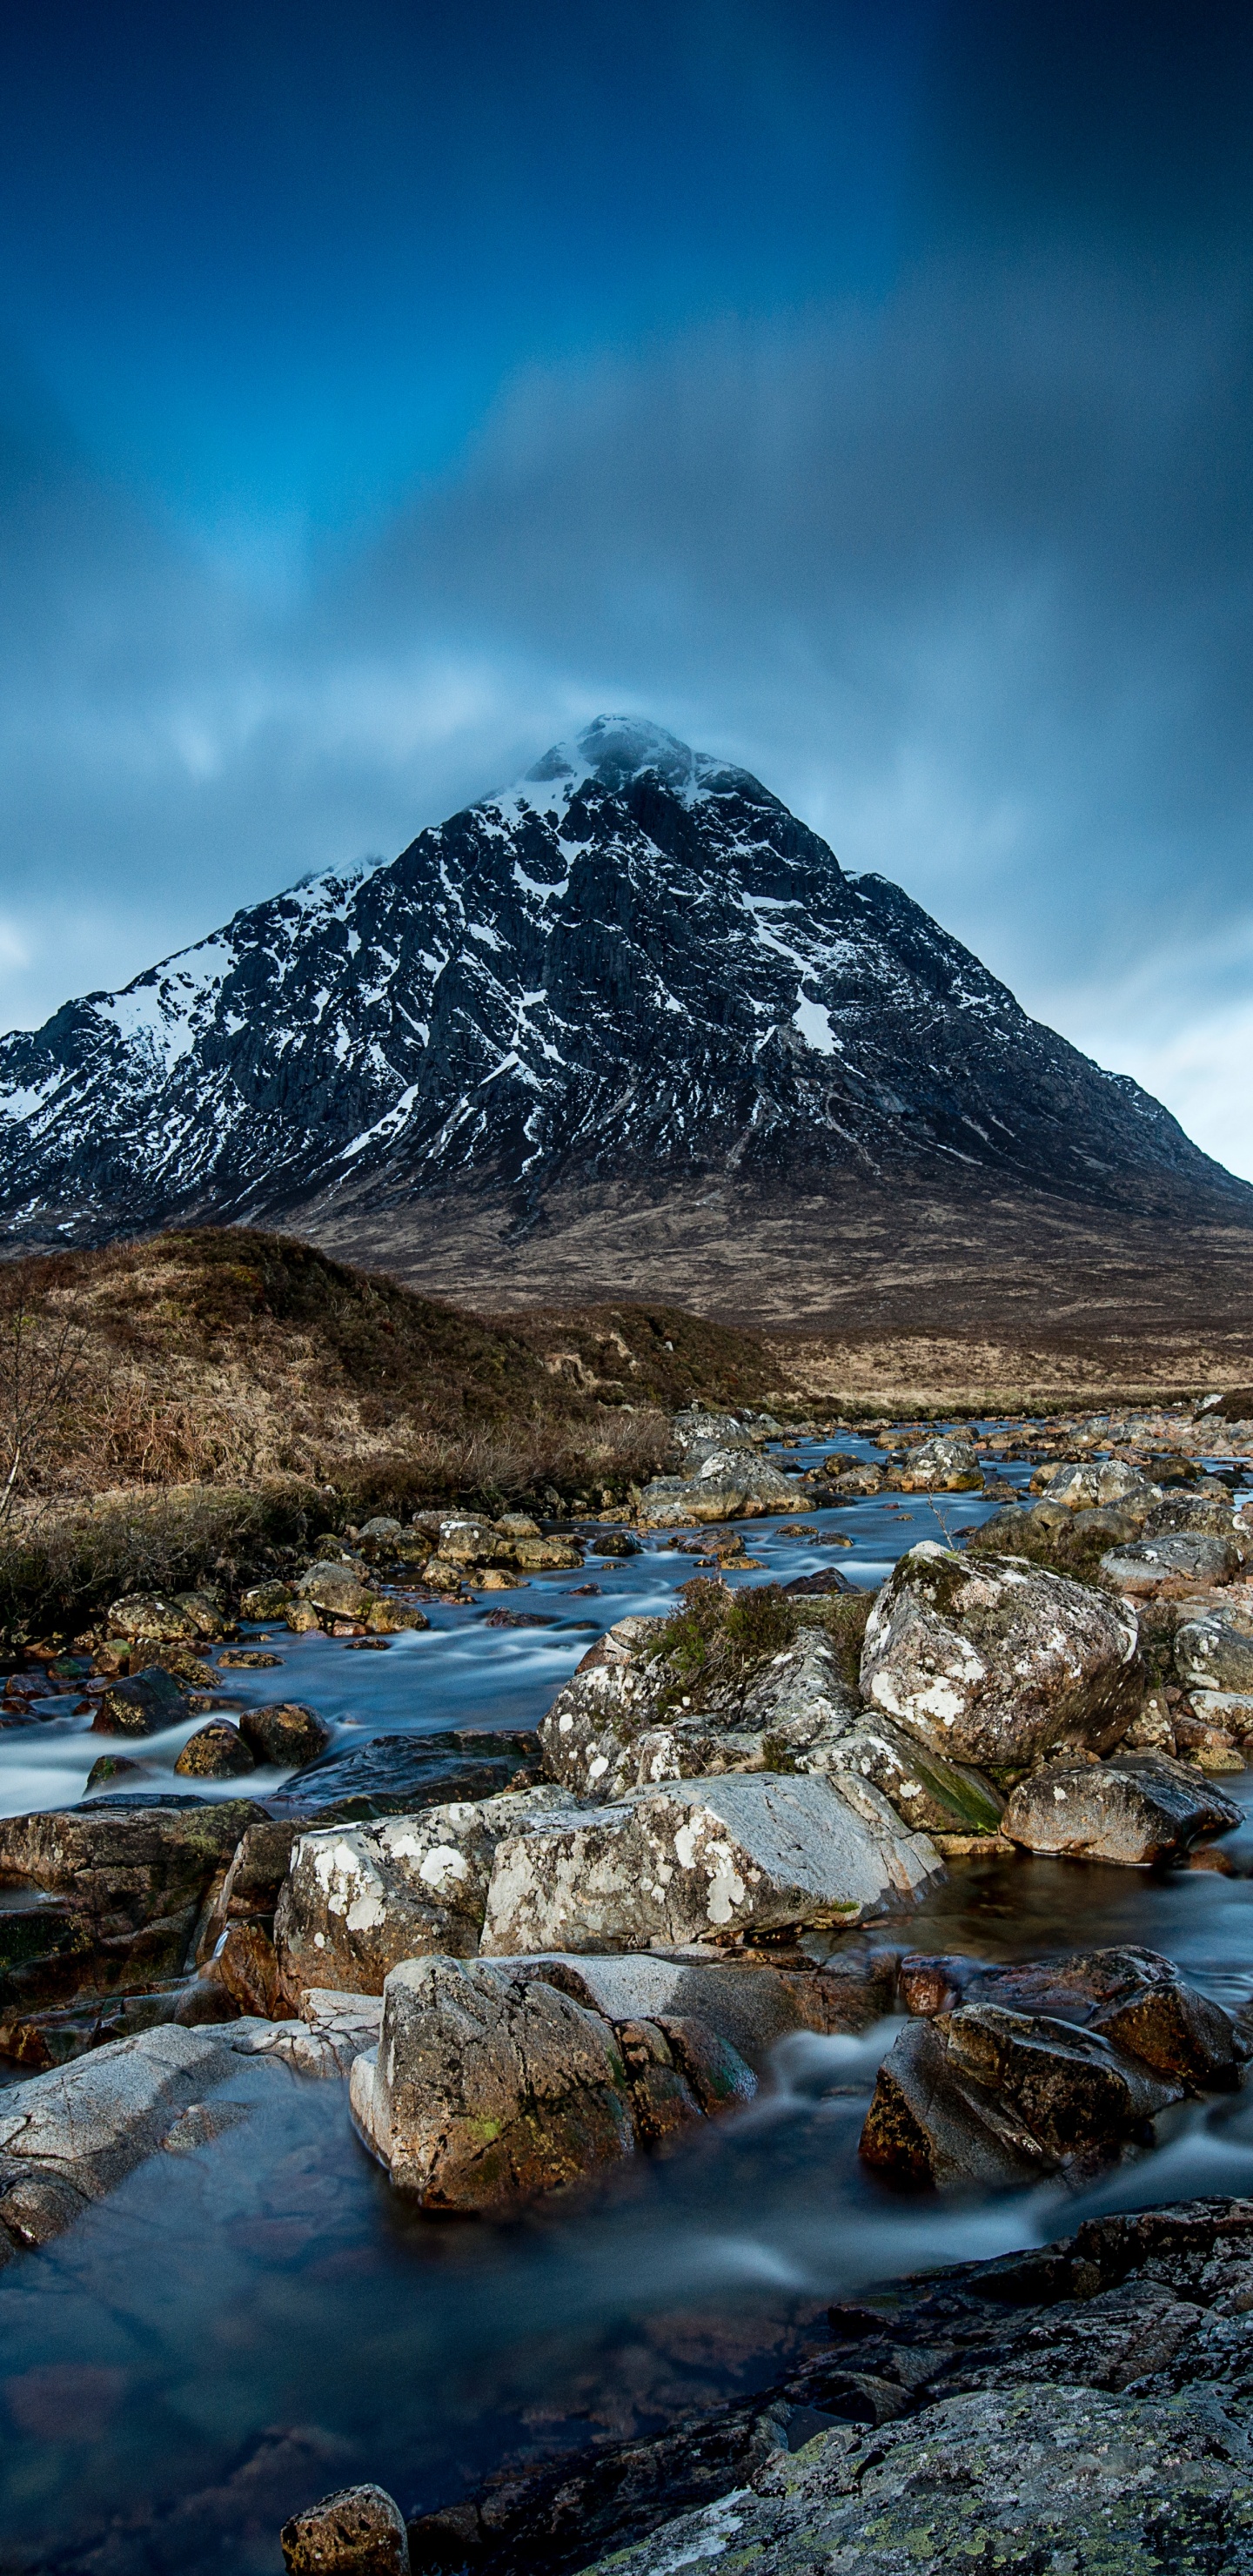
[(517, 1525), (466, 1539), (215, 1752), (358, 2531), (949, 1464), (1232, 1711), (547, 1555), (932, 1795), (747, 2009), (143, 1704), (284, 1734), (619, 1724), (1134, 1997), (1174, 1563), (206, 1611), (267, 1601), (708, 1859), (992, 1661), (698, 1431), (488, 2085), (359, 1898), (334, 1591), (153, 1619), (1211, 1654), (1096, 1482), (1136, 1809), (987, 2096)]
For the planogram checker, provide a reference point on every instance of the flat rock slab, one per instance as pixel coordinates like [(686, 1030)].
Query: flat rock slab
[(72, 2135), (691, 1860), (990, 1660), (1135, 1809), (1074, 2479)]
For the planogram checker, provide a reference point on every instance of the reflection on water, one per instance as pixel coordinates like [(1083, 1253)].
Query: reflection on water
[(236, 2331)]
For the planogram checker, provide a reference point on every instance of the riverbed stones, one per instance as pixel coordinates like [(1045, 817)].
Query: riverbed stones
[(748, 2008), (992, 1661), (711, 1859), (215, 1752), (985, 2095), (141, 1704), (359, 1898), (284, 1734), (357, 2531), (1136, 1809), (489, 2086), (1175, 1563)]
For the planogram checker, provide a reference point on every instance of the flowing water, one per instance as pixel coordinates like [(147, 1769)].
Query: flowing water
[(235, 2331)]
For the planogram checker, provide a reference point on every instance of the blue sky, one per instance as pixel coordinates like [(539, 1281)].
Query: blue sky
[(862, 391)]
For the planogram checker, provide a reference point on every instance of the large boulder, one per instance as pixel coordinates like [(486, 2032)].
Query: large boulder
[(1212, 1654), (1094, 1483), (983, 2095), (489, 2085), (1136, 1809), (1177, 1562), (707, 1859), (935, 1796), (949, 1464), (359, 1898), (992, 1661)]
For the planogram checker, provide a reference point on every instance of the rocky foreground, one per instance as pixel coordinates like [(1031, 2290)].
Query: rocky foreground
[(534, 1958)]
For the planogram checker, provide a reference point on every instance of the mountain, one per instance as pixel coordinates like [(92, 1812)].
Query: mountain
[(634, 969)]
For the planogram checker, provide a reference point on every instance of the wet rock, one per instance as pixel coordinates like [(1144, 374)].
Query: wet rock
[(748, 2009), (489, 2086), (248, 1659), (1176, 1563), (992, 1661), (547, 1555), (1136, 1809), (284, 1734), (714, 1858), (359, 1898), (215, 1752), (615, 1543), (931, 1795), (142, 1704), (70, 2136), (1211, 1654), (112, 1769), (246, 1965), (394, 1774), (949, 1464), (152, 1618), (358, 2531), (1132, 1996), (129, 1884), (984, 2095)]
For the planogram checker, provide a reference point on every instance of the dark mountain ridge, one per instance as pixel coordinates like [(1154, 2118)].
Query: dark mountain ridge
[(635, 967)]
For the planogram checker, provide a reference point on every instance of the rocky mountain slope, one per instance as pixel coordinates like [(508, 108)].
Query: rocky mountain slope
[(635, 966)]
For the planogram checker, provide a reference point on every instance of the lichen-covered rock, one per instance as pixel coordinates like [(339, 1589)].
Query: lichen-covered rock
[(1096, 1482), (215, 1752), (358, 2531), (1211, 1654), (619, 1723), (547, 1555), (131, 1882), (1174, 1563), (991, 1661), (359, 1898), (141, 1704), (488, 2085), (1136, 1809), (334, 1590), (1071, 2480), (284, 1733), (152, 1619), (949, 1464), (713, 1858), (991, 2096), (930, 1794), (270, 1600)]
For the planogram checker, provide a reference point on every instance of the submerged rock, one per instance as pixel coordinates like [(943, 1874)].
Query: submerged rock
[(990, 1660), (995, 2097), (713, 1858), (1136, 1809)]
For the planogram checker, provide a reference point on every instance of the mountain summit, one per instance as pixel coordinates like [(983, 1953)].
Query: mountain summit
[(636, 965)]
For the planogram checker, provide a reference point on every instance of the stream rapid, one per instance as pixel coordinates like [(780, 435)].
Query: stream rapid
[(236, 2331)]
